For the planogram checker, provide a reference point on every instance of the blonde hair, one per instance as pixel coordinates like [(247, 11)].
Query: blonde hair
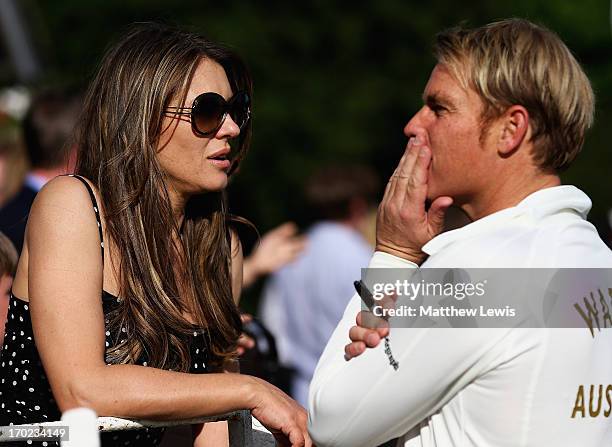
[(515, 62)]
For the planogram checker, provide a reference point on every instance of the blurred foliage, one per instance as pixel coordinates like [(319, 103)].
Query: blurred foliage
[(334, 81)]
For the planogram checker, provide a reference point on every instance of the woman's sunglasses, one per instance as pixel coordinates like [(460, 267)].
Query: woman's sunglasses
[(209, 111)]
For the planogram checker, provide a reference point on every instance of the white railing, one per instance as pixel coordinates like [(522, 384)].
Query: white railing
[(84, 428)]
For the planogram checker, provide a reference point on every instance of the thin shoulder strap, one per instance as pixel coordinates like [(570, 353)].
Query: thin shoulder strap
[(96, 210)]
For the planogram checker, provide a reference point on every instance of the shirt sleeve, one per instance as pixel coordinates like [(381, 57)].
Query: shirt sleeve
[(365, 401)]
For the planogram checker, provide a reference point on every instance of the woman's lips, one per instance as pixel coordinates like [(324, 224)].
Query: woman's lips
[(220, 163)]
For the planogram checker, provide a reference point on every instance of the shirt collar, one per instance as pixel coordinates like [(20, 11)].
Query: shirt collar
[(35, 181), (537, 205)]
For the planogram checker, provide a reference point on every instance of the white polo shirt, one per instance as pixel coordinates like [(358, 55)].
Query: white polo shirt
[(478, 387)]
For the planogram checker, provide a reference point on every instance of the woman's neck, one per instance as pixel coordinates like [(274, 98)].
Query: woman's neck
[(178, 201)]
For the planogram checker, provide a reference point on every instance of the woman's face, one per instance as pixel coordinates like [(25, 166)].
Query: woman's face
[(186, 158)]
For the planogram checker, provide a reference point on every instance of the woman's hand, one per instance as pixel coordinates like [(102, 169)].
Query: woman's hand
[(280, 414)]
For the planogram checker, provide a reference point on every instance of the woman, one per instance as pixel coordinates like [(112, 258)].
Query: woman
[(154, 158)]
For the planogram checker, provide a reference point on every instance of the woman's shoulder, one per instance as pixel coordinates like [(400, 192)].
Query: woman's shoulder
[(65, 187), (61, 236), (65, 193), (63, 204)]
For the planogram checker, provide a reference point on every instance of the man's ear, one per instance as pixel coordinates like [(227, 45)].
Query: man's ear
[(515, 129)]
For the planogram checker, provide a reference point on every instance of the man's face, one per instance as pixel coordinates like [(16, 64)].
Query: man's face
[(449, 124)]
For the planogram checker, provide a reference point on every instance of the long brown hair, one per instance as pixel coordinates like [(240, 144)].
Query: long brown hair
[(118, 139)]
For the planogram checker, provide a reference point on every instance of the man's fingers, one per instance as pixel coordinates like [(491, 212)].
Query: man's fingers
[(421, 164), (392, 183), (437, 210), (417, 193), (404, 172), (369, 336), (354, 349), (369, 321), (297, 438), (363, 337), (360, 316), (400, 172), (412, 153)]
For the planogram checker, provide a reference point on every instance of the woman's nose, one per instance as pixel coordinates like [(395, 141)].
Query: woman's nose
[(229, 128)]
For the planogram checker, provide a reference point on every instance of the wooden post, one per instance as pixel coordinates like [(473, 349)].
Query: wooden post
[(240, 430)]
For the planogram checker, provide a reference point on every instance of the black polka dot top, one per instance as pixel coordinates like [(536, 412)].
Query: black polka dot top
[(25, 394)]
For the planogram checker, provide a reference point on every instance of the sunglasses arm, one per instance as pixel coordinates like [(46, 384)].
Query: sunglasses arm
[(179, 110)]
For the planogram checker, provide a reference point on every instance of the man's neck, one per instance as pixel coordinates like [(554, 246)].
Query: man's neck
[(508, 194)]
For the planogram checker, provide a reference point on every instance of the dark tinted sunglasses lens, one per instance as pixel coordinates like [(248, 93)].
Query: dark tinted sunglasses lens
[(208, 112), (240, 109)]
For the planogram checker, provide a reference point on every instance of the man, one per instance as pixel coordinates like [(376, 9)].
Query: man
[(47, 127), (304, 301), (8, 265), (505, 110)]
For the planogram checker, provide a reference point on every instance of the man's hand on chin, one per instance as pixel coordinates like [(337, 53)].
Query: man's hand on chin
[(403, 225)]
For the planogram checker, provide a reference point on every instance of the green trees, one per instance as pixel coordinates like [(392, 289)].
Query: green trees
[(334, 81)]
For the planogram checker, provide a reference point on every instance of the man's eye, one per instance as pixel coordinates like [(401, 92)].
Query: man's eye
[(437, 109)]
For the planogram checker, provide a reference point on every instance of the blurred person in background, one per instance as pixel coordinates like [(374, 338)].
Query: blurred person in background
[(272, 251), (276, 248), (47, 127), (257, 346), (304, 301), (8, 265), (13, 161), (125, 296)]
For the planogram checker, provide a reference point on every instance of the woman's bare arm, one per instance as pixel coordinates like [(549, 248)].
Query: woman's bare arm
[(65, 284), (211, 434)]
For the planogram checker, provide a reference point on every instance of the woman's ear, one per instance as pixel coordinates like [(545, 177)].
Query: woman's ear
[(515, 129)]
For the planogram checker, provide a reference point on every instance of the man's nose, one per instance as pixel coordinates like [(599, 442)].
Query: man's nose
[(415, 127)]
